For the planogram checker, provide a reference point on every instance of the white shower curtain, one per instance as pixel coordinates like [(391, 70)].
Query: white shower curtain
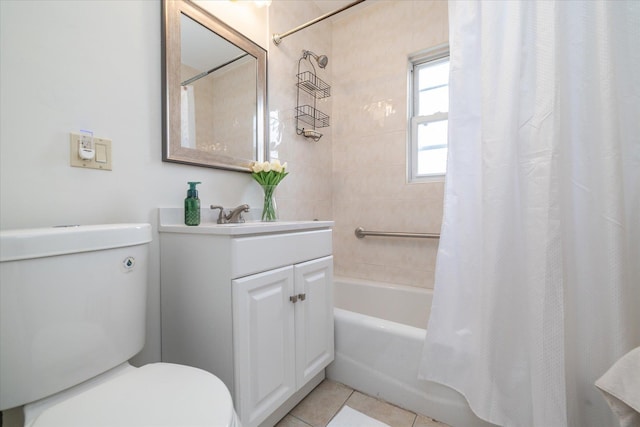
[(188, 117), (537, 286)]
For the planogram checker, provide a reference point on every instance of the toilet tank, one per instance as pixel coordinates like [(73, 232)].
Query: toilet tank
[(72, 305)]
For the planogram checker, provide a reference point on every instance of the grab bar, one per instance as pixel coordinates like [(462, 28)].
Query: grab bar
[(361, 233)]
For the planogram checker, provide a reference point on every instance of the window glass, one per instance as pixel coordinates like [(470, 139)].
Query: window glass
[(434, 74), (429, 116), (433, 100)]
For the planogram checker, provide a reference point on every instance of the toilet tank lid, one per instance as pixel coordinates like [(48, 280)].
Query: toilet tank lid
[(43, 242)]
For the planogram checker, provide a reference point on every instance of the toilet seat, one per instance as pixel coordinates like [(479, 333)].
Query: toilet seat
[(157, 394)]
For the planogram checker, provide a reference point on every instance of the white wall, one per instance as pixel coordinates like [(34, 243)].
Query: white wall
[(71, 65)]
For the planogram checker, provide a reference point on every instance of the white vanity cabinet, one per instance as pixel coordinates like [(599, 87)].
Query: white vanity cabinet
[(253, 304), (283, 334)]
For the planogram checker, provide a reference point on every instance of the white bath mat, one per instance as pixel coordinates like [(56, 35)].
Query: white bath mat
[(349, 417)]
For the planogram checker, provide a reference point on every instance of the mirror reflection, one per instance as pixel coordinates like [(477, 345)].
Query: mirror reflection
[(215, 85)]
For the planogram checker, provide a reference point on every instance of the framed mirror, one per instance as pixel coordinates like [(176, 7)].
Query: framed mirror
[(214, 91)]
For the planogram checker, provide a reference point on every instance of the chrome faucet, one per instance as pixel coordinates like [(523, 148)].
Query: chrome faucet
[(233, 216)]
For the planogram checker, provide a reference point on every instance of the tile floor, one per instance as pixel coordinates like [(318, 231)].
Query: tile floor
[(324, 402)]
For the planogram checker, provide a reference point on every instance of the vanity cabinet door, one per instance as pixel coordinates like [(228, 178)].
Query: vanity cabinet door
[(314, 317), (263, 331)]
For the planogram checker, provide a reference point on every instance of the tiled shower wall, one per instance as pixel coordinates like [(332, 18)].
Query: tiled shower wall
[(306, 192), (371, 46), (356, 174)]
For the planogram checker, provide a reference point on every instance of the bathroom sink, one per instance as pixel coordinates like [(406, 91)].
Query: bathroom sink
[(171, 221), (234, 224), (251, 223)]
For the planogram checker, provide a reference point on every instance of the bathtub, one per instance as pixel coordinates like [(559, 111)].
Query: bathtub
[(379, 335)]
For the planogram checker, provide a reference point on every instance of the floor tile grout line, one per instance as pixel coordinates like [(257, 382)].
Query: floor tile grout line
[(415, 414), (351, 393), (299, 419), (341, 406)]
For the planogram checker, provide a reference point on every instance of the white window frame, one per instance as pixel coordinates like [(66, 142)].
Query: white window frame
[(433, 55)]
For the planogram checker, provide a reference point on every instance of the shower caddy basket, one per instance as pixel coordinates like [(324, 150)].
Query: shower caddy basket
[(311, 84)]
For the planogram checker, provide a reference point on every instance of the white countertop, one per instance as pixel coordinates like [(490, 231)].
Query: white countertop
[(171, 220)]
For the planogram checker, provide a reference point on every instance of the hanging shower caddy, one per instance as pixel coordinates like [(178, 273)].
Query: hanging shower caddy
[(313, 89)]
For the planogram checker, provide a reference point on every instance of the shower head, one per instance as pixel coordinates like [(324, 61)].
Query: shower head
[(322, 60)]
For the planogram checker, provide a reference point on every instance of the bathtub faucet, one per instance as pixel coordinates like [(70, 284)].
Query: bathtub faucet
[(233, 216)]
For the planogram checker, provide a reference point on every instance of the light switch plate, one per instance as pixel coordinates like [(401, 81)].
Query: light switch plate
[(102, 159)]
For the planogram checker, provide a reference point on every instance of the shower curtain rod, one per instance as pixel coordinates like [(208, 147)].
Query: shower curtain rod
[(277, 38), (206, 73)]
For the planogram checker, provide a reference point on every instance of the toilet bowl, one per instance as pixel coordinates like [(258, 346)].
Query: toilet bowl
[(72, 312), (157, 394)]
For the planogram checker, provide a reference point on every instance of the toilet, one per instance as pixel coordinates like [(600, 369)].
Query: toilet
[(72, 313)]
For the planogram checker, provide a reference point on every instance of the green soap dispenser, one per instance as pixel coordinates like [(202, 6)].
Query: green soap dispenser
[(192, 205)]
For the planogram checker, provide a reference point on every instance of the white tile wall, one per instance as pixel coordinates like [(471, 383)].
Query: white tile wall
[(369, 65), (307, 192), (356, 174)]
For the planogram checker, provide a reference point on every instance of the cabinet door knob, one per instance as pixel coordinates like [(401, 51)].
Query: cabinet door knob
[(302, 297), (293, 298)]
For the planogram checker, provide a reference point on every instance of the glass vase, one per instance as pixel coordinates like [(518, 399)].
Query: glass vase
[(269, 209)]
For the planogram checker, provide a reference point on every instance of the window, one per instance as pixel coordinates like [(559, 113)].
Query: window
[(429, 110)]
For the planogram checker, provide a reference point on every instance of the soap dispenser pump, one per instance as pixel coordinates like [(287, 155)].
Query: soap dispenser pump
[(192, 205)]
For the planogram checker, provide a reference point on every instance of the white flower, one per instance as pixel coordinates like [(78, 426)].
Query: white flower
[(256, 167), (268, 173), (276, 166)]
